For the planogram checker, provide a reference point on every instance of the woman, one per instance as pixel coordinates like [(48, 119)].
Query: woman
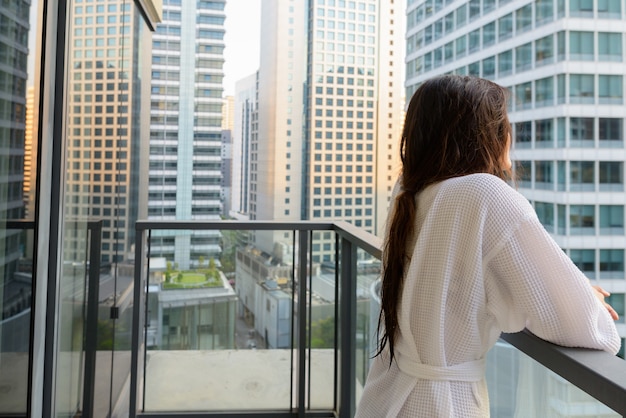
[(465, 259)]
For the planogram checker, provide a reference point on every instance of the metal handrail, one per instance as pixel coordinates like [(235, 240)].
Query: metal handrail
[(598, 373), (351, 238)]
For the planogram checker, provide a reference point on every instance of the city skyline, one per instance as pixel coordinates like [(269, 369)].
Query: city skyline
[(99, 99), (328, 113)]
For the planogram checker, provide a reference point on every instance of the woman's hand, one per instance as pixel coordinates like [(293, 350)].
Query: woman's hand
[(600, 293)]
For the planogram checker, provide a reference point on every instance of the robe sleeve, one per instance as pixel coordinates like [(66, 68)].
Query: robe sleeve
[(531, 283)]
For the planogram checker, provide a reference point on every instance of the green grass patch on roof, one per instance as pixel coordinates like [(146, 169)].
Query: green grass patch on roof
[(192, 279)]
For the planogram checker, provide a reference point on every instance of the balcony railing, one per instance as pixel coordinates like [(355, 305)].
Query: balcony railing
[(288, 329)]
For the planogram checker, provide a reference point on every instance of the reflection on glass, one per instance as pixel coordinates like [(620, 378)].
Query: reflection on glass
[(107, 119), (521, 387), (368, 308), (18, 25)]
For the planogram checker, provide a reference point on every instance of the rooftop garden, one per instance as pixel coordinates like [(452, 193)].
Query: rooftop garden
[(192, 279)]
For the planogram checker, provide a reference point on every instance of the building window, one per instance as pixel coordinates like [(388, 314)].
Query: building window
[(449, 23), (610, 9), (461, 46), (448, 52), (489, 34), (524, 57), (544, 50), (560, 219), (461, 16), (612, 264), (505, 63), (581, 88), (544, 11), (544, 176), (585, 260), (474, 69), (488, 5), (524, 18), (581, 8), (582, 220), (523, 134), (489, 67), (438, 29), (611, 176), (581, 176), (611, 219), (524, 173), (505, 27), (523, 96), (474, 40), (474, 9), (610, 89), (545, 213), (611, 132), (609, 46), (544, 92), (560, 46), (560, 174), (544, 133), (581, 132), (581, 46)]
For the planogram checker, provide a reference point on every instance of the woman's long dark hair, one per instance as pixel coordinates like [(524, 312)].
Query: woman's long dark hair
[(454, 126)]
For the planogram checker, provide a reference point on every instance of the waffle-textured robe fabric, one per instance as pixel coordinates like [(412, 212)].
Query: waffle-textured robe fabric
[(480, 264)]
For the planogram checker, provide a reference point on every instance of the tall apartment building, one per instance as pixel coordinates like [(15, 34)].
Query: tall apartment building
[(106, 142), (563, 62), (329, 114), (185, 131)]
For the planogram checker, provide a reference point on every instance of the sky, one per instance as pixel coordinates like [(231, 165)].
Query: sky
[(241, 54)]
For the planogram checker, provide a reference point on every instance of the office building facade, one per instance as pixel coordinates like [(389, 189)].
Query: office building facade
[(329, 114), (185, 127), (104, 132)]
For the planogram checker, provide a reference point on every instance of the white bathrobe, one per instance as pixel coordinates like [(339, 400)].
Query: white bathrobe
[(480, 264)]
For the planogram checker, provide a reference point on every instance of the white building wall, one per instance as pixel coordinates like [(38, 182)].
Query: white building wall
[(243, 130)]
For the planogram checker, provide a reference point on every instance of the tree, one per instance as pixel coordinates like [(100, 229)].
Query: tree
[(323, 333)]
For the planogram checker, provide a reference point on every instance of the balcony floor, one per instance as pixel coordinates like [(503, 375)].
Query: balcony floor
[(233, 380)]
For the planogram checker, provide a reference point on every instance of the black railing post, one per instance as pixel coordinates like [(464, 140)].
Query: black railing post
[(91, 326), (347, 340), (137, 328), (303, 253)]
